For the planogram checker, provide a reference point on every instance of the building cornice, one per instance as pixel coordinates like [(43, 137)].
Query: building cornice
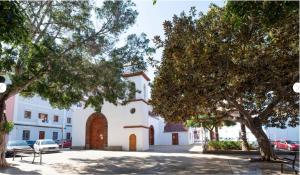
[(142, 100), (21, 124), (136, 74), (136, 126)]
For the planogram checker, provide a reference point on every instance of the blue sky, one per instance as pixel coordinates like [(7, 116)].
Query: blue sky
[(151, 17)]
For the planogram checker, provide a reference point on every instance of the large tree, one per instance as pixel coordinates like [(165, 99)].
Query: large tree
[(70, 54), (233, 60)]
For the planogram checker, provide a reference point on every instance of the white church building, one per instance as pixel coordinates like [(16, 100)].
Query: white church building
[(130, 127)]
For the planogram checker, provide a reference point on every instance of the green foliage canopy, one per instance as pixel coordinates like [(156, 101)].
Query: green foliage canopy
[(230, 60), (208, 122), (71, 54), (12, 23)]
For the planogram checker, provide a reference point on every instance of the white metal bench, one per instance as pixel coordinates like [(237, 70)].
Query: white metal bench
[(30, 151), (291, 162)]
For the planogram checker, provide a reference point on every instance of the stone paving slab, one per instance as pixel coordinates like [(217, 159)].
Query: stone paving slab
[(121, 162)]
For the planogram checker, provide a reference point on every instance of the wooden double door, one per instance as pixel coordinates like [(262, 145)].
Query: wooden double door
[(97, 133)]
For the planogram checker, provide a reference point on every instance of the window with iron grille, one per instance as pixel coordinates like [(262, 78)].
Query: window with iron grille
[(69, 120), (54, 135), (26, 135), (68, 136)]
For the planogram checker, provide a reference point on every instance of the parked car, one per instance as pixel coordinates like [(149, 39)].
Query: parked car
[(64, 143), (30, 143), (16, 144), (286, 144), (47, 145)]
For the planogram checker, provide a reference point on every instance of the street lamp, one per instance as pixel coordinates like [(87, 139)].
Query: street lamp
[(296, 87), (2, 84)]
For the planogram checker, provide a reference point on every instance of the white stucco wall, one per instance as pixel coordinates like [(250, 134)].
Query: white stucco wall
[(120, 116), (232, 133), (17, 132), (117, 117), (142, 85), (155, 121), (166, 138), (37, 105)]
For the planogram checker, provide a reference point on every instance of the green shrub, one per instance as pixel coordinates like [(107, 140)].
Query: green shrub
[(214, 145), (224, 145), (6, 127)]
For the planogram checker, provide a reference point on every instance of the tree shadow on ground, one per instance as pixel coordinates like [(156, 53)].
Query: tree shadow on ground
[(166, 165), (13, 169)]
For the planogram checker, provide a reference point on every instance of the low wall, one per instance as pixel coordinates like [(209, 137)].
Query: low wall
[(253, 152)]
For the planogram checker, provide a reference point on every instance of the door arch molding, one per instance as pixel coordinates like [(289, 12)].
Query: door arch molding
[(96, 131)]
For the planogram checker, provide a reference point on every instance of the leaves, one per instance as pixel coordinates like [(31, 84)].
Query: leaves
[(13, 28), (71, 54), (235, 55)]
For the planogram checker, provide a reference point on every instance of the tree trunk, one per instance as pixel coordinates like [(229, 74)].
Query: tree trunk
[(245, 145), (217, 133), (3, 162), (266, 150), (211, 135)]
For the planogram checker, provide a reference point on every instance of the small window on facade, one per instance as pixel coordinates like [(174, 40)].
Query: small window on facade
[(68, 136), (55, 136), (69, 120), (42, 135), (43, 117), (55, 119), (26, 135), (27, 114)]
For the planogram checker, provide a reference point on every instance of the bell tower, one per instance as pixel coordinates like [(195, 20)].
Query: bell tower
[(141, 81)]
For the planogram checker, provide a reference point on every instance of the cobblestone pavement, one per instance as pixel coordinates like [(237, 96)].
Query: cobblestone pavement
[(155, 161)]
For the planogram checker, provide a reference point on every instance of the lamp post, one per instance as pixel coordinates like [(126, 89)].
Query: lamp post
[(296, 87), (2, 84)]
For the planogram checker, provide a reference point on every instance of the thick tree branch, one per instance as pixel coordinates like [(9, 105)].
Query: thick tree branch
[(264, 114), (238, 106)]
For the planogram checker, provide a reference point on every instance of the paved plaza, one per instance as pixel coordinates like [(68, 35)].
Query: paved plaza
[(155, 161)]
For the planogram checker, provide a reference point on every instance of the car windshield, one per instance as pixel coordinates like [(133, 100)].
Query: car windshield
[(46, 142), (17, 143), (290, 142)]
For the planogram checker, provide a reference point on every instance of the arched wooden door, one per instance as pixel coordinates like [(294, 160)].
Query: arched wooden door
[(96, 132), (151, 135), (132, 142)]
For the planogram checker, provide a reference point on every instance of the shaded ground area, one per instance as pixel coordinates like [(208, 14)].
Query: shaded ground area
[(176, 149), (109, 162)]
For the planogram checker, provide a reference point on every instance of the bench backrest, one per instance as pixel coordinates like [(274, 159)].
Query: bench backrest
[(296, 157)]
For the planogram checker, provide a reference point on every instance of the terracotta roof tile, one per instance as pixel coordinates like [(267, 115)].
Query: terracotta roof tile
[(174, 127)]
